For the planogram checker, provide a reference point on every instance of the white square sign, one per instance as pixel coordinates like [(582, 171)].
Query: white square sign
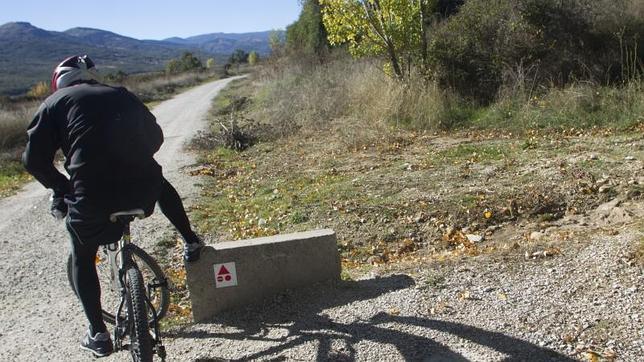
[(225, 275)]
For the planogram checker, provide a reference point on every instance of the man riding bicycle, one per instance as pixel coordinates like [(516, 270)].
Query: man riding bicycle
[(108, 138)]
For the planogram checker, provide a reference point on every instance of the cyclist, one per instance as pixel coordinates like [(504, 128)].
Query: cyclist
[(108, 138)]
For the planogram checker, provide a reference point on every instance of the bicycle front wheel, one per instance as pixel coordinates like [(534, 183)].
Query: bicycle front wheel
[(153, 277), (139, 329)]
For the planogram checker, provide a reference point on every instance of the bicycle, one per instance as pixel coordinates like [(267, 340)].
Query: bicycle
[(137, 282)]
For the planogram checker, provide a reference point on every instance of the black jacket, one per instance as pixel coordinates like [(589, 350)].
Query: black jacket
[(108, 138)]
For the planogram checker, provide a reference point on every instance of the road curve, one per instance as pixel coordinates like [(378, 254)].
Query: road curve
[(40, 319)]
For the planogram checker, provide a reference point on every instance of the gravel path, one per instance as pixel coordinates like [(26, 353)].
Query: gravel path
[(40, 318), (487, 308)]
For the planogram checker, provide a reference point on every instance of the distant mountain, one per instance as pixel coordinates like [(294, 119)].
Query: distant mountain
[(223, 43), (116, 41), (28, 53)]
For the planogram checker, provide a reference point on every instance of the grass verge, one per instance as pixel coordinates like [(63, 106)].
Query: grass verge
[(417, 191), (12, 177)]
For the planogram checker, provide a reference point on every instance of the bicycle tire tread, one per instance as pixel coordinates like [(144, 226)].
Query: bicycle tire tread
[(140, 329)]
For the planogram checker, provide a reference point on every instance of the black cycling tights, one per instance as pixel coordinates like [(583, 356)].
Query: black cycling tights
[(86, 282), (84, 255), (172, 207)]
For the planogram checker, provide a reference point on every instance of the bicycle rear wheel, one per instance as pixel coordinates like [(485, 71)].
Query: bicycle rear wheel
[(153, 277), (139, 329)]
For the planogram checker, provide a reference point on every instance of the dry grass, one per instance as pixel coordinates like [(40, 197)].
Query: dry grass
[(13, 125), (407, 189), (357, 100), (354, 98)]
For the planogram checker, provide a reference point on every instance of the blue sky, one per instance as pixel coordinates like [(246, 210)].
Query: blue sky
[(149, 19)]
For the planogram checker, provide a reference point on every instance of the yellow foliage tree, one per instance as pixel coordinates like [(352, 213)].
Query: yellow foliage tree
[(253, 58), (391, 28)]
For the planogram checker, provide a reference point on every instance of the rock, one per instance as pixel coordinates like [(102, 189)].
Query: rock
[(491, 229), (619, 216), (602, 181), (605, 208), (489, 171), (629, 158), (593, 157), (474, 238)]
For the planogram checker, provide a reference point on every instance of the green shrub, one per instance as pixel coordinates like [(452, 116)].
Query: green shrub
[(307, 37), (186, 63), (580, 106), (547, 42)]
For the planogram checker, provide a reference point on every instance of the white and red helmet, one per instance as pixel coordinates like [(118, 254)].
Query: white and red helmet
[(72, 70)]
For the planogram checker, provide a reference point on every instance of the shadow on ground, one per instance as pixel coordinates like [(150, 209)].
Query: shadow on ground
[(302, 314)]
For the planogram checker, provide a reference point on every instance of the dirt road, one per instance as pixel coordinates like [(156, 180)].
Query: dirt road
[(40, 318)]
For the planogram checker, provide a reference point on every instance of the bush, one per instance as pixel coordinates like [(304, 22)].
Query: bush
[(365, 106), (39, 91), (580, 106), (554, 42), (186, 63), (306, 38)]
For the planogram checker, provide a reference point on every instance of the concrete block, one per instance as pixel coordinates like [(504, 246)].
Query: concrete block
[(262, 267)]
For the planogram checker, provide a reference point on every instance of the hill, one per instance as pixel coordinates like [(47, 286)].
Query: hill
[(223, 43), (29, 52)]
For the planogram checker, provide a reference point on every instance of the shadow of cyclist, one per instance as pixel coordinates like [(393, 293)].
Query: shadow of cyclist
[(301, 314)]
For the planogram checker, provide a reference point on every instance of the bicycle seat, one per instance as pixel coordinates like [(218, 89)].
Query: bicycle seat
[(127, 215)]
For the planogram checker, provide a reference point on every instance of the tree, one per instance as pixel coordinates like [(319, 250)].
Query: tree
[(391, 28), (276, 42), (210, 63), (307, 36), (239, 56), (253, 58), (187, 62)]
